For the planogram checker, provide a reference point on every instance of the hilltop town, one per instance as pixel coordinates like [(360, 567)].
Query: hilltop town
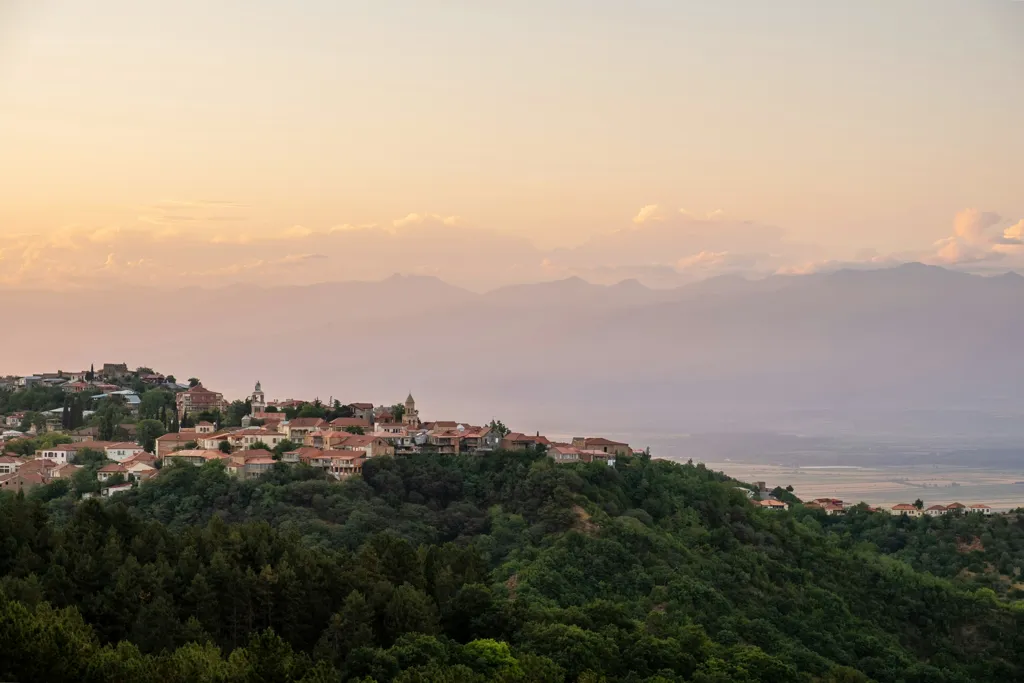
[(108, 429)]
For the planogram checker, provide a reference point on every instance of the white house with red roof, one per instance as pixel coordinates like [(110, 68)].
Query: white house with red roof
[(121, 451)]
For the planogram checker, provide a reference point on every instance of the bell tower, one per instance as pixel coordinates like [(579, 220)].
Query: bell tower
[(411, 418), (258, 399)]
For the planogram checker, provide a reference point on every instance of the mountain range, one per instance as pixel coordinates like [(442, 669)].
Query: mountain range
[(852, 348)]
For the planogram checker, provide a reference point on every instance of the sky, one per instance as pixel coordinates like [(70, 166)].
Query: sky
[(286, 142)]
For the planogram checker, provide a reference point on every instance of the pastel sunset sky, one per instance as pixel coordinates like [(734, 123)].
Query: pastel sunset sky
[(487, 142)]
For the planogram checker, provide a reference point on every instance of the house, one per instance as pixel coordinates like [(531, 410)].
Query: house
[(372, 446), (956, 508), (297, 429), (343, 423), (22, 480), (168, 443), (116, 488), (127, 398), (906, 509), (66, 471), (441, 425), (145, 458), (76, 376), (303, 455), (41, 466), (85, 434), (314, 457), (15, 419), (75, 387), (205, 428), (773, 505), (111, 470), (514, 441), (114, 370), (195, 457), (247, 438), (362, 411), (479, 440), (10, 464), (344, 464), (61, 454), (251, 464), (445, 442), (325, 439), (140, 471), (122, 451), (391, 431), (981, 508), (589, 455), (211, 442), (564, 454), (935, 510), (199, 399), (601, 444)]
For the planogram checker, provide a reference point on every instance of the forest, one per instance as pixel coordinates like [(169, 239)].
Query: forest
[(504, 567)]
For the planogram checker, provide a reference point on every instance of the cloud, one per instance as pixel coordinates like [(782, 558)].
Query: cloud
[(196, 214), (664, 249), (976, 238), (419, 219), (649, 213)]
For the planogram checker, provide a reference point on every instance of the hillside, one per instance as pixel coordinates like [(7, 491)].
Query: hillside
[(501, 568)]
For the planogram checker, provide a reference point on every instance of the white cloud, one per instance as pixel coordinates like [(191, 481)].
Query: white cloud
[(1015, 233), (648, 214), (976, 238)]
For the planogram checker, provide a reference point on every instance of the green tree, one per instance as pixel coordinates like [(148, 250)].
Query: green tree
[(148, 432), (225, 446), (193, 382), (108, 419), (355, 430), (349, 628), (498, 427)]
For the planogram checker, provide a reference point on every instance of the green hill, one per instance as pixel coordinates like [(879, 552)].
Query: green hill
[(501, 568)]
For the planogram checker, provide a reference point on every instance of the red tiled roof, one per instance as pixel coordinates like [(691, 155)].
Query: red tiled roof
[(601, 441), (253, 453), (904, 506), (38, 464), (350, 422), (113, 467), (361, 406), (306, 422), (180, 436), (937, 507)]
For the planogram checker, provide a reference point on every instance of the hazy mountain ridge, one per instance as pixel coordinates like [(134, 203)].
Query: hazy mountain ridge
[(619, 358)]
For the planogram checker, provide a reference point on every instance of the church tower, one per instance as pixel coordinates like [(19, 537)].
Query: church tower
[(411, 418), (258, 400)]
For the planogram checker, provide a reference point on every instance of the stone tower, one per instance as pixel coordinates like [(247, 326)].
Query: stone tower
[(258, 399), (411, 418)]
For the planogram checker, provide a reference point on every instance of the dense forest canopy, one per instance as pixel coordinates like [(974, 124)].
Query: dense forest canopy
[(505, 567)]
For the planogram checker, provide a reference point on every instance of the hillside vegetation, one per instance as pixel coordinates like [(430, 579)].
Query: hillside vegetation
[(499, 568)]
